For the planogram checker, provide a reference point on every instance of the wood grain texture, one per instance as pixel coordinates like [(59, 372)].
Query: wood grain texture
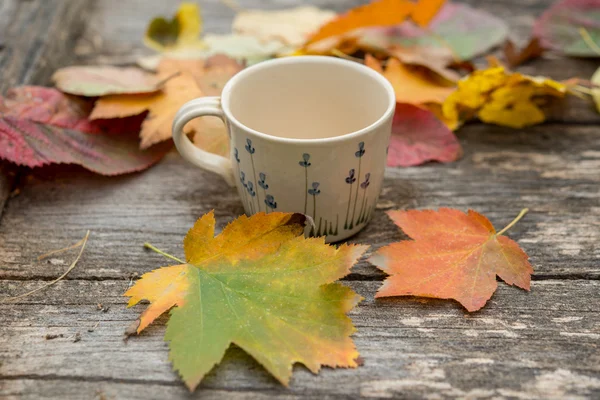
[(36, 37), (39, 37), (8, 176), (537, 345), (410, 347), (549, 169)]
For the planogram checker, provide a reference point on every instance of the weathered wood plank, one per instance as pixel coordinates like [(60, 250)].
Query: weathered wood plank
[(36, 37), (39, 36), (410, 347), (551, 169), (542, 344), (8, 174)]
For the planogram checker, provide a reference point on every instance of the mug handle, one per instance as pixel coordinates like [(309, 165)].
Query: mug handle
[(193, 109)]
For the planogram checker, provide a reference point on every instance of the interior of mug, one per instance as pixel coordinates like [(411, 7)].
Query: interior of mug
[(308, 99)]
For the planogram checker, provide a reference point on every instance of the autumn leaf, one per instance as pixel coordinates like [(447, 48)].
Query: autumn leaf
[(453, 255), (596, 92), (245, 49), (431, 61), (515, 57), (182, 31), (51, 107), (418, 136), (103, 80), (211, 136), (177, 38), (260, 285), (410, 85), (560, 27), (290, 27), (248, 49), (41, 126), (196, 78), (501, 97), (378, 13), (436, 59), (466, 31)]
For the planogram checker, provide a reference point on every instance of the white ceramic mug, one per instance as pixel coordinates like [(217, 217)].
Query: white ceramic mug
[(308, 134)]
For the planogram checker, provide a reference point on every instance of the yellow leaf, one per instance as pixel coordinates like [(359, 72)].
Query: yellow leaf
[(596, 92), (260, 285), (410, 85), (378, 13), (196, 78), (511, 106), (183, 31), (190, 23), (210, 135), (436, 109), (163, 288), (501, 97)]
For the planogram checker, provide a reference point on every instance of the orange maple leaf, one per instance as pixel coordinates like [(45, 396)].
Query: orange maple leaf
[(196, 78), (410, 85), (259, 284), (378, 13), (453, 256)]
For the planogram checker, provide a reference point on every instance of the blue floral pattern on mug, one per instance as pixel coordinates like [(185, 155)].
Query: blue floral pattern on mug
[(315, 189), (261, 181), (366, 183), (270, 202), (249, 147), (250, 187), (305, 163), (350, 179), (361, 150), (257, 190), (305, 160), (358, 154)]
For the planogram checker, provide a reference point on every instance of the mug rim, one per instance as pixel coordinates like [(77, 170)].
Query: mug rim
[(310, 59)]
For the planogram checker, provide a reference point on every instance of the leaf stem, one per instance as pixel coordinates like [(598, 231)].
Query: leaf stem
[(74, 246), (341, 54), (168, 78), (514, 221), (81, 243), (588, 40), (149, 246)]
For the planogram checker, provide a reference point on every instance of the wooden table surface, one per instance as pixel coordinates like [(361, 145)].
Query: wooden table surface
[(543, 344)]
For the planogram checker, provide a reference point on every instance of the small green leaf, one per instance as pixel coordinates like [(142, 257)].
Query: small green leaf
[(182, 31)]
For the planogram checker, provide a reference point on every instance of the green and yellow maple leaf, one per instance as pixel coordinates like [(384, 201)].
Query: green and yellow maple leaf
[(260, 285)]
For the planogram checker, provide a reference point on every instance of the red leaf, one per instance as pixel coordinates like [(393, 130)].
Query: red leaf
[(418, 136), (52, 107), (40, 126), (453, 256), (560, 27)]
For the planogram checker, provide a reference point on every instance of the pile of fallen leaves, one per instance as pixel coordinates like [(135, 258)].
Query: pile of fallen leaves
[(115, 120)]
